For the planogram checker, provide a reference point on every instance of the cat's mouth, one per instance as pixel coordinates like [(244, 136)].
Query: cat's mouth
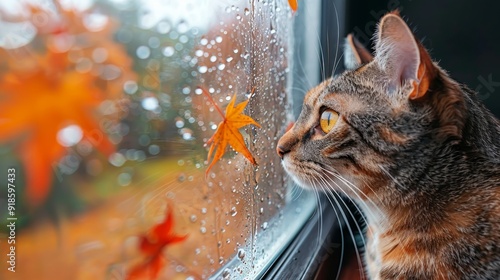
[(312, 175)]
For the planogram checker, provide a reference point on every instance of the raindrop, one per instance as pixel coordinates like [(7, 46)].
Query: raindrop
[(150, 103), (186, 90), (193, 218), (218, 39), (70, 135), (203, 230), (213, 58), (226, 273), (154, 149), (264, 226), (247, 11), (163, 27), (110, 72), (117, 159), (198, 91), (241, 254), (233, 211), (183, 39), (168, 51), (182, 27), (154, 42), (124, 179), (204, 210), (202, 69), (95, 22), (203, 41), (179, 123), (229, 59), (130, 87), (221, 66), (143, 52), (99, 55), (235, 50)]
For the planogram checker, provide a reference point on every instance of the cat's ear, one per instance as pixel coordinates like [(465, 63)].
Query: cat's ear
[(402, 57), (355, 54)]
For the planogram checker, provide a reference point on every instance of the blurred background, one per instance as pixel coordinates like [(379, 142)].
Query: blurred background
[(105, 110)]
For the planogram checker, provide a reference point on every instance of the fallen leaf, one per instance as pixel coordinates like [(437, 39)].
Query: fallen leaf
[(294, 5), (152, 244), (228, 133)]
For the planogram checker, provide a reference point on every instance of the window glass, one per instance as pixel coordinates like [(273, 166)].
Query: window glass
[(107, 109)]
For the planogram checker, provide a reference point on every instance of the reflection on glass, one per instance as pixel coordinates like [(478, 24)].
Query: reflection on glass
[(104, 117)]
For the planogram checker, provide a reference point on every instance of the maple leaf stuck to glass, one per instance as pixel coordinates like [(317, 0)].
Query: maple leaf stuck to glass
[(228, 133)]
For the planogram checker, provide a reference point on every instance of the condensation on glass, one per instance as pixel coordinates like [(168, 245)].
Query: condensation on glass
[(149, 63)]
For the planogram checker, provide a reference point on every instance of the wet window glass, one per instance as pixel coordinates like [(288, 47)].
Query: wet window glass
[(137, 138)]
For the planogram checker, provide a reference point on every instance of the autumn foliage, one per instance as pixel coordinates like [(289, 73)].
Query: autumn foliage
[(58, 79), (152, 245), (228, 133)]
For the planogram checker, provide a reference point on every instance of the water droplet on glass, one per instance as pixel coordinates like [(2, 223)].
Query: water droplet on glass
[(198, 91), (130, 87), (143, 52), (264, 226), (99, 55), (235, 50), (203, 41), (218, 39), (241, 254), (202, 69), (154, 150), (70, 135), (95, 22), (247, 11), (203, 230), (221, 66), (233, 211), (124, 179), (163, 27), (213, 58), (168, 51), (117, 159), (229, 59), (226, 273), (150, 103), (204, 210), (193, 218), (198, 53), (182, 27)]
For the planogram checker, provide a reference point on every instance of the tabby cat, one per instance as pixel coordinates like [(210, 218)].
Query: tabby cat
[(414, 149)]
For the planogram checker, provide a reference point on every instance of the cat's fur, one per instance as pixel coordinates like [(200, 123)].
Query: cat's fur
[(422, 154)]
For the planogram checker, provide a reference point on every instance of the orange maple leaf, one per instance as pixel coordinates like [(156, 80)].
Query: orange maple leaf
[(43, 90), (228, 131), (293, 4), (152, 245)]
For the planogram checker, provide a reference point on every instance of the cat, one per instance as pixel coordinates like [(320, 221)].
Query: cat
[(414, 149)]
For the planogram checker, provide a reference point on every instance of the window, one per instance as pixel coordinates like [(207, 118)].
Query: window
[(106, 109)]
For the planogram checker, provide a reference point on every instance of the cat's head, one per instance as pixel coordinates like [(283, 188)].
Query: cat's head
[(375, 126)]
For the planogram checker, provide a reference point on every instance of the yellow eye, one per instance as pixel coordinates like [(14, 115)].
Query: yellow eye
[(328, 120)]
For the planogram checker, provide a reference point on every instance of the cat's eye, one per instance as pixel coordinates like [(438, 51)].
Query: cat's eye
[(328, 120)]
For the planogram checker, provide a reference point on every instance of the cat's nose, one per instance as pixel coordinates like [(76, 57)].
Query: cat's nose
[(281, 151)]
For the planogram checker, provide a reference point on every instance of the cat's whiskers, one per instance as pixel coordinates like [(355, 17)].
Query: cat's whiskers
[(320, 213), (390, 176), (353, 188), (328, 190), (342, 238)]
